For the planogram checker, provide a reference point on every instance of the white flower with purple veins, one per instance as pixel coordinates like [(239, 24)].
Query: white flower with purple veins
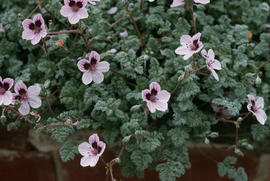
[(34, 29), (5, 94), (93, 2), (211, 63), (156, 98), (189, 45), (93, 68), (27, 97), (182, 2), (256, 108), (74, 10), (91, 151)]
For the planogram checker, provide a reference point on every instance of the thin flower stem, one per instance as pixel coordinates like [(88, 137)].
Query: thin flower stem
[(236, 136), (64, 32), (55, 125), (51, 111), (192, 17), (141, 5), (120, 74), (228, 121), (34, 10), (119, 20), (265, 63), (85, 42), (135, 25), (186, 75)]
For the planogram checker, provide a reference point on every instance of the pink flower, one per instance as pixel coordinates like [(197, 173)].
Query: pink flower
[(189, 45), (211, 62), (74, 10), (93, 2), (34, 29), (91, 151), (27, 96), (177, 3), (156, 99), (182, 2), (202, 1), (256, 107), (5, 94), (92, 69)]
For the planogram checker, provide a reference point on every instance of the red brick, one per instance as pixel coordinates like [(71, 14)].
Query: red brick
[(203, 168), (14, 139), (26, 167)]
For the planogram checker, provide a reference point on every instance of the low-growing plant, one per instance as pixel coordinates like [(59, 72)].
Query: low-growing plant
[(147, 75)]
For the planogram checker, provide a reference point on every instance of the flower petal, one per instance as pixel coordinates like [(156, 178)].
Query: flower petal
[(1, 99), (177, 3), (26, 24), (34, 101), (89, 161), (81, 64), (34, 90), (216, 65), (214, 74), (151, 106), (261, 116), (102, 145), (84, 148), (93, 138), (28, 34), (38, 17), (20, 85), (87, 78), (156, 86), (144, 92), (185, 40), (161, 106), (202, 1), (82, 13), (73, 19), (9, 81), (163, 96), (7, 98), (94, 55), (103, 66), (211, 54), (66, 11), (204, 53), (36, 39), (197, 36), (260, 103), (182, 50), (98, 77), (24, 109)]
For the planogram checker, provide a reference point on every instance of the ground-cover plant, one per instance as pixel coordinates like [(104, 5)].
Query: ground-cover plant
[(147, 76)]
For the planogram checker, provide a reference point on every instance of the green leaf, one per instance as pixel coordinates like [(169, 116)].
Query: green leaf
[(68, 150)]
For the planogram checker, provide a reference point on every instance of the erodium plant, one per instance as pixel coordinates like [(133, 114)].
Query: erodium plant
[(146, 76)]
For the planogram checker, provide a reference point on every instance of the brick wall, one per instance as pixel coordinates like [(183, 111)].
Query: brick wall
[(27, 156)]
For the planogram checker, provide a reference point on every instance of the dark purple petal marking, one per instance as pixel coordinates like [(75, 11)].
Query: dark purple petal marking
[(38, 23), (32, 26)]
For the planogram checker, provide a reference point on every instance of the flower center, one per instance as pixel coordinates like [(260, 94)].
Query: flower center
[(75, 6), (97, 149), (91, 66), (36, 27), (195, 45), (22, 95), (152, 96), (3, 88)]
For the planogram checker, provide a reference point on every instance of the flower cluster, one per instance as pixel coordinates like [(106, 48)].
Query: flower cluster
[(26, 96)]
